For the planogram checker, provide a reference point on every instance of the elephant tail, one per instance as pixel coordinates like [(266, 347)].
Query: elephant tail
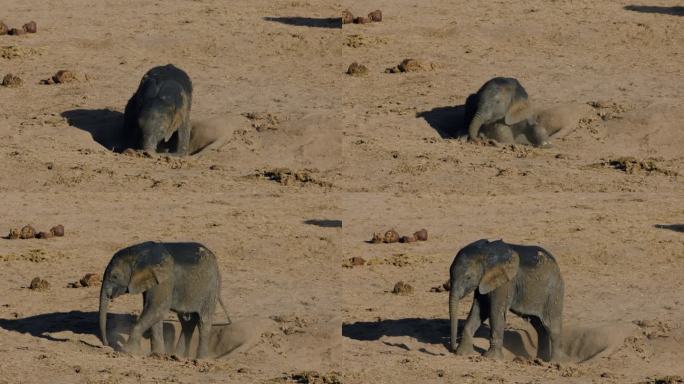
[(475, 124), (220, 300)]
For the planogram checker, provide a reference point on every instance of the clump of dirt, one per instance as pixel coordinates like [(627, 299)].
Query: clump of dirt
[(631, 165), (347, 17), (88, 280), (377, 238), (375, 16), (355, 261), (57, 230), (356, 69), (291, 324), (356, 41), (411, 65), (408, 239), (421, 235), (402, 288), (390, 236), (310, 377), (61, 77), (16, 32), (362, 20), (608, 110), (30, 27), (653, 329), (398, 260), (3, 28), (11, 81), (32, 255), (44, 235), (444, 287), (38, 284), (286, 176), (262, 121), (13, 52), (27, 232), (675, 379)]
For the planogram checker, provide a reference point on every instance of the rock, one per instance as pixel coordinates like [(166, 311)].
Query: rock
[(407, 239), (14, 233), (63, 76), (39, 284), (402, 288), (27, 232), (391, 236), (16, 32), (347, 17), (91, 280), (357, 261), (11, 81), (30, 27), (57, 230), (377, 238), (421, 235), (4, 29), (410, 65), (44, 235), (361, 20), (375, 16), (356, 69), (445, 287)]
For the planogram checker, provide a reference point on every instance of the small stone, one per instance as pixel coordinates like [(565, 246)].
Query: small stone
[(356, 69), (16, 32), (27, 232), (91, 280), (375, 16), (30, 27), (357, 261), (11, 81), (402, 288), (407, 239), (391, 236), (57, 230), (39, 284), (44, 235), (347, 17), (4, 29), (77, 368), (421, 235), (63, 76), (14, 233), (361, 20)]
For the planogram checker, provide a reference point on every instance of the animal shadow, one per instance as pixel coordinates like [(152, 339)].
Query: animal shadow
[(430, 331), (324, 223), (447, 121), (311, 22), (674, 11), (671, 227), (104, 125)]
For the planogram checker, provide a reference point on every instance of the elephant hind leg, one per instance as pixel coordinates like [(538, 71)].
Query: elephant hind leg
[(204, 326), (188, 322), (157, 338), (543, 347)]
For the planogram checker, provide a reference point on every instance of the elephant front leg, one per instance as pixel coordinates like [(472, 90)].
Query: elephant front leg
[(146, 321), (183, 148), (204, 326), (473, 322), (497, 322)]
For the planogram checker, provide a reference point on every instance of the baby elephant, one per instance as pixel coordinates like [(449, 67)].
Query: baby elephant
[(159, 108), (524, 279), (182, 277), (499, 100)]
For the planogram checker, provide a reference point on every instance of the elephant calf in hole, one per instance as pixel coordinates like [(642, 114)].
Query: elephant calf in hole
[(523, 279), (181, 277), (160, 109), (501, 110)]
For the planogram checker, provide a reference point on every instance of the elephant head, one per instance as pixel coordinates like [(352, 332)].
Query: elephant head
[(482, 265), (132, 270), (500, 98)]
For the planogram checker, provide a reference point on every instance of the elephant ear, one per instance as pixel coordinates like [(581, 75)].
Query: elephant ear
[(501, 266), (519, 110), (153, 267)]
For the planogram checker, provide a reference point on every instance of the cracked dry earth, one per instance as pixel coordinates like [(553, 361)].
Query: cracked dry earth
[(306, 162)]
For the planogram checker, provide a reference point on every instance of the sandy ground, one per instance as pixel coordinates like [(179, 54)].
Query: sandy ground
[(299, 144)]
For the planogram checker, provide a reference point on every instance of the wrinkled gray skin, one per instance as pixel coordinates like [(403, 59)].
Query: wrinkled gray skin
[(526, 132), (499, 100), (181, 277), (158, 109), (523, 279)]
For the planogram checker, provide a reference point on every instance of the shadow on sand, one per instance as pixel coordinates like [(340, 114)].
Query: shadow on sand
[(671, 227), (324, 223), (104, 125), (673, 11), (447, 121), (312, 22)]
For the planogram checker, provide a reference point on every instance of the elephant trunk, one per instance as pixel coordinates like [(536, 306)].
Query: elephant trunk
[(454, 297), (104, 304), (475, 124)]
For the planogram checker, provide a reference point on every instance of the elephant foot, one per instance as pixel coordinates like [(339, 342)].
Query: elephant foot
[(464, 349), (494, 353)]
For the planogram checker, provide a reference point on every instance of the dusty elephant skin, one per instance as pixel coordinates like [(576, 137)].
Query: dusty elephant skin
[(159, 109), (523, 279), (181, 277), (501, 99)]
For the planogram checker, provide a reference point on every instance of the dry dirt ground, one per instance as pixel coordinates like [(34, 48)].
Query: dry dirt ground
[(298, 145)]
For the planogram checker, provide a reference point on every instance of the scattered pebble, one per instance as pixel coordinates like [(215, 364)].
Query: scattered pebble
[(391, 236), (39, 284), (347, 17), (30, 27), (57, 230), (402, 288), (375, 16), (356, 69), (421, 235), (27, 232), (11, 81)]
